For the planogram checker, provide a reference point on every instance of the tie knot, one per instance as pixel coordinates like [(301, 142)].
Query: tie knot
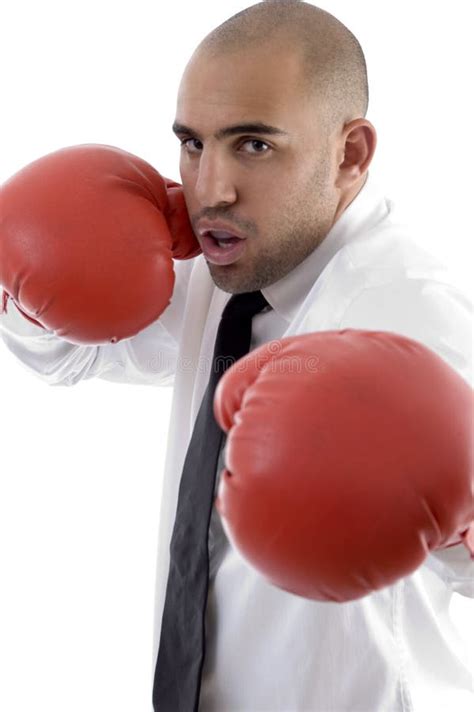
[(245, 305)]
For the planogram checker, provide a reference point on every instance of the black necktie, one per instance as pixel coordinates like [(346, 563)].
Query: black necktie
[(181, 651)]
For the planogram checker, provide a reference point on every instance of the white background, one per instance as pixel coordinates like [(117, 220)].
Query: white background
[(80, 468)]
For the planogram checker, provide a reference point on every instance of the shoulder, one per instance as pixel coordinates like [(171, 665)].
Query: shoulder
[(387, 281)]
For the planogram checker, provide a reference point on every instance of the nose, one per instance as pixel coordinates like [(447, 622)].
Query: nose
[(215, 185)]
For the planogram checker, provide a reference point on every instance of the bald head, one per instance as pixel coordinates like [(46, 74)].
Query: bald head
[(333, 68), (274, 140)]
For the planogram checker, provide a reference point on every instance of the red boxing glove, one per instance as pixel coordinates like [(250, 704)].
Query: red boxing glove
[(349, 458), (87, 240)]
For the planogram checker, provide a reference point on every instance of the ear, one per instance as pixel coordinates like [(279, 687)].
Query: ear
[(358, 143)]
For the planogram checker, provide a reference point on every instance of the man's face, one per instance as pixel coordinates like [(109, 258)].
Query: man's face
[(275, 189)]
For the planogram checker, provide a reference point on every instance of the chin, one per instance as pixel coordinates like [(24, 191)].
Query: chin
[(234, 281), (227, 284)]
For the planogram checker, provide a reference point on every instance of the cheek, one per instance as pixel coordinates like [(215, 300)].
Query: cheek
[(188, 183), (273, 201), (188, 173), (268, 194)]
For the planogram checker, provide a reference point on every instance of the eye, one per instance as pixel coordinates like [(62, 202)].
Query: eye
[(185, 141), (256, 143)]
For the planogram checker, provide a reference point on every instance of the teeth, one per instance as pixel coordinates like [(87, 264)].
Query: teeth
[(224, 239), (221, 234)]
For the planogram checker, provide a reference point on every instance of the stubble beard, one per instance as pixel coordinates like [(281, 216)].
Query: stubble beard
[(278, 253)]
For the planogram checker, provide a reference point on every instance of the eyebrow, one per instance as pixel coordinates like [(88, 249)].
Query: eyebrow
[(254, 127)]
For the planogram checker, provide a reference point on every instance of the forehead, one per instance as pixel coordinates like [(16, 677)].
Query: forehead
[(262, 84)]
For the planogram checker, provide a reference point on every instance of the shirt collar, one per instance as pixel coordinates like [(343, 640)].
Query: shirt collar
[(363, 213)]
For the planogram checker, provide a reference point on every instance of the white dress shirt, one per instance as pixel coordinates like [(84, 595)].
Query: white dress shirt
[(396, 650)]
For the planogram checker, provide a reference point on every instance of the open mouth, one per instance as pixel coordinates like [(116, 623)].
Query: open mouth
[(221, 247), (224, 240)]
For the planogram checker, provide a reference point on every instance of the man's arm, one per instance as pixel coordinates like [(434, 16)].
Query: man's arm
[(147, 358), (93, 250), (438, 315)]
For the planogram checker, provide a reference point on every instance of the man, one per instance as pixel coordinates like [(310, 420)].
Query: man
[(276, 150)]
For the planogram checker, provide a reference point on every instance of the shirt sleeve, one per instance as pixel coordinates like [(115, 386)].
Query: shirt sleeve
[(150, 357), (438, 315)]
